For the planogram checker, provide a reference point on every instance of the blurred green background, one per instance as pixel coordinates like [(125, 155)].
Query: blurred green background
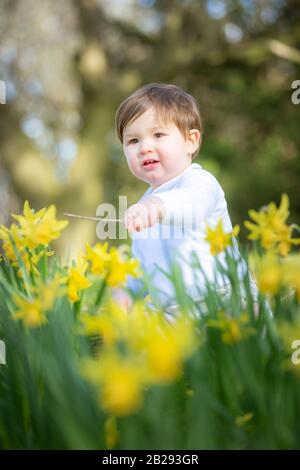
[(68, 65)]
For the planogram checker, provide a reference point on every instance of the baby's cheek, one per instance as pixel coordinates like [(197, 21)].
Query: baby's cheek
[(136, 171), (132, 166)]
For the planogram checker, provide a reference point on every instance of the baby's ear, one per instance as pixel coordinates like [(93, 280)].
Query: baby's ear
[(193, 140)]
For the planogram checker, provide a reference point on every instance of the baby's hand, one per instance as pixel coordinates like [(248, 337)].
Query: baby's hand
[(144, 214)]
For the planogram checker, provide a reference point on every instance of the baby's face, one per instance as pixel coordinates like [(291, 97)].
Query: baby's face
[(156, 152)]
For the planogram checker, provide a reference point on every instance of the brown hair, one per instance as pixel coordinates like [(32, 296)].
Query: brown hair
[(171, 103)]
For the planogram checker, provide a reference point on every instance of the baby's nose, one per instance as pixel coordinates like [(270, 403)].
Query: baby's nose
[(146, 146)]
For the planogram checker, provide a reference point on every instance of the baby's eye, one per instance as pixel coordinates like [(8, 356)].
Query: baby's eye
[(132, 141), (159, 134)]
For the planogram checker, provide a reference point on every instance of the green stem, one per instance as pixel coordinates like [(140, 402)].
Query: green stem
[(100, 293)]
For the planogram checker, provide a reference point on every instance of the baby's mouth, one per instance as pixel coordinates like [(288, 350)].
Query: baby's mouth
[(149, 162)]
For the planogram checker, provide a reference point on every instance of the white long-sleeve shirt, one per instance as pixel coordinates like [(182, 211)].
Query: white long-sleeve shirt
[(192, 200)]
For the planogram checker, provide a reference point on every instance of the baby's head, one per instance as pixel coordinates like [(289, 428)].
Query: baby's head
[(171, 103), (163, 121)]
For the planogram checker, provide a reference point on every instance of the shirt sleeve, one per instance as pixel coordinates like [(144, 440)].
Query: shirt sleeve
[(196, 199)]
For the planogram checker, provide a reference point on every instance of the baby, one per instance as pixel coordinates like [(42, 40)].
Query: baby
[(160, 128)]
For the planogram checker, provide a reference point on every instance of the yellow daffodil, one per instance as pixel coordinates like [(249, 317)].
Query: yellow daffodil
[(122, 390), (99, 257), (16, 251), (11, 237), (48, 292), (114, 265), (30, 311), (119, 268), (100, 325), (286, 240), (29, 214), (153, 351), (218, 239), (268, 273), (121, 383), (269, 226), (111, 323), (166, 348), (40, 228), (234, 329), (77, 280)]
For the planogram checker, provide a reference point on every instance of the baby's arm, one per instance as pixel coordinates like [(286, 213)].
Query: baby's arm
[(198, 197), (195, 200)]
